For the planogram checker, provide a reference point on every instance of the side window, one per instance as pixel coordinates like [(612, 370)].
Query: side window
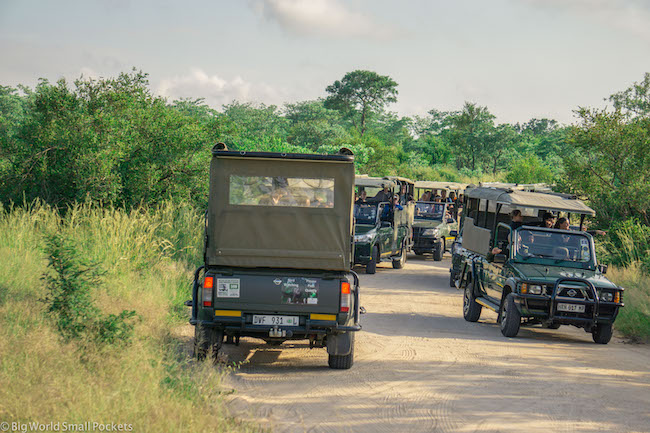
[(502, 237)]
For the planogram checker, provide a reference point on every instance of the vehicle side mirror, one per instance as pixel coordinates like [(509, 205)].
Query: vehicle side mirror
[(453, 233), (385, 224), (602, 269), (499, 258)]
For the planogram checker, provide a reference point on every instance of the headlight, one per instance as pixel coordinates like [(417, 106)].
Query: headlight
[(532, 289), (430, 232), (606, 296), (366, 237)]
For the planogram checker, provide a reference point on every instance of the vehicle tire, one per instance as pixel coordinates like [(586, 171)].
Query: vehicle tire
[(418, 252), (371, 267), (602, 333), (471, 308), (438, 251), (553, 326), (399, 263), (342, 362), (452, 280), (510, 318), (207, 342)]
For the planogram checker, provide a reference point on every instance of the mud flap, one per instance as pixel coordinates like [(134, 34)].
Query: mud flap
[(339, 344)]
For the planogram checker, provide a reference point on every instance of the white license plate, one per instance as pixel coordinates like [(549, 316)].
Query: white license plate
[(571, 308), (276, 320)]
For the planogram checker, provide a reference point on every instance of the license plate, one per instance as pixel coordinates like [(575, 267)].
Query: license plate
[(571, 308), (276, 320)]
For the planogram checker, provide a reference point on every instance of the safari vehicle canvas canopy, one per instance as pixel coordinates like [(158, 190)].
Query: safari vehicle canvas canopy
[(535, 200), (280, 210), (454, 186), (376, 182)]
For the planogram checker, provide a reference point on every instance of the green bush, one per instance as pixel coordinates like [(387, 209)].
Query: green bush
[(628, 243), (69, 298)]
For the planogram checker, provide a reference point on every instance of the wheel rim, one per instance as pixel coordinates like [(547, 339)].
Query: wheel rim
[(466, 302), (504, 315)]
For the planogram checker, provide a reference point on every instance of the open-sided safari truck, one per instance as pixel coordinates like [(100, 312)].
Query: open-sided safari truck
[(278, 253), (433, 220), (382, 231), (528, 273)]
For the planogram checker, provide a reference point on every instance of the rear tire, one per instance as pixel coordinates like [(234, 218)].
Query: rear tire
[(343, 362), (471, 308), (602, 333), (207, 342), (371, 267), (399, 263), (510, 317), (452, 280), (553, 326)]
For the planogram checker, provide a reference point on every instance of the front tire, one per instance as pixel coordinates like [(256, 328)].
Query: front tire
[(438, 251), (471, 308), (602, 333), (452, 280), (510, 318), (342, 362), (399, 263), (371, 267)]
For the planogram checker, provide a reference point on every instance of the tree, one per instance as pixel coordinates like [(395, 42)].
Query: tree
[(359, 95), (529, 169), (635, 100), (314, 126), (471, 128)]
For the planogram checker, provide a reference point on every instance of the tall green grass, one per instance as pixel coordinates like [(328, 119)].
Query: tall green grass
[(634, 319), (148, 255)]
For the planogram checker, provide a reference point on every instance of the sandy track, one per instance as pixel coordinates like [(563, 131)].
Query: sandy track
[(419, 367)]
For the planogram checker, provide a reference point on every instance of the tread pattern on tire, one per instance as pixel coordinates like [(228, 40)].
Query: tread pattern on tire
[(472, 310), (602, 333), (510, 326), (342, 362)]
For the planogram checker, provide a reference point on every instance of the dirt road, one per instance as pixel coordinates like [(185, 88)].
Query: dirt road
[(419, 367)]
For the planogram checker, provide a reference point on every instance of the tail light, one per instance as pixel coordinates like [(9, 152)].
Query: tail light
[(208, 285), (345, 297)]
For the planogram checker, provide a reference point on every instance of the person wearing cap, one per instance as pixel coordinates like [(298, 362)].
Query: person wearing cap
[(548, 220), (389, 211)]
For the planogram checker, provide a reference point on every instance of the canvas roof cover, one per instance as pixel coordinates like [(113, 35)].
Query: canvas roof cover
[(365, 180), (243, 232), (527, 199), (440, 185)]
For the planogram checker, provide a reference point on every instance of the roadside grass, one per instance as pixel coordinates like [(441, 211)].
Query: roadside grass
[(634, 319), (148, 256)]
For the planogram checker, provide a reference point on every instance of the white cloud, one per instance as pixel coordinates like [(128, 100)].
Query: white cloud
[(218, 91), (327, 18), (632, 16)]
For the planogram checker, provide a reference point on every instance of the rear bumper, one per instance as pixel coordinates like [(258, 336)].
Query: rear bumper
[(242, 326)]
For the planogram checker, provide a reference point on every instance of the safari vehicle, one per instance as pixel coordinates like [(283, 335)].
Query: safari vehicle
[(536, 275), (381, 232), (433, 221), (278, 253)]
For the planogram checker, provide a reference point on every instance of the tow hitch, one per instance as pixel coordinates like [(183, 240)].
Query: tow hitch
[(276, 332)]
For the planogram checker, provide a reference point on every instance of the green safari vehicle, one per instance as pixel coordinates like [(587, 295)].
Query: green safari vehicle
[(278, 253), (528, 273), (382, 232)]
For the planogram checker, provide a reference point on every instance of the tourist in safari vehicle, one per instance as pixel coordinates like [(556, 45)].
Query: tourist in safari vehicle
[(382, 230), (278, 255), (434, 218), (511, 262)]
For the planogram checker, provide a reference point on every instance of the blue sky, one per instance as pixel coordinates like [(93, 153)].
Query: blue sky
[(520, 58)]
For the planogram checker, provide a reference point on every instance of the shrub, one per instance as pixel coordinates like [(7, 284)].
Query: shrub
[(69, 297)]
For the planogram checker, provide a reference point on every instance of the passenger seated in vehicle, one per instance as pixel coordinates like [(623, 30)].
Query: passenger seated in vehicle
[(548, 220), (383, 195), (426, 196), (389, 211), (562, 224), (363, 198), (517, 219), (526, 240)]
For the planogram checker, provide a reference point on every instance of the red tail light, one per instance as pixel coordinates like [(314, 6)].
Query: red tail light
[(345, 297), (208, 285)]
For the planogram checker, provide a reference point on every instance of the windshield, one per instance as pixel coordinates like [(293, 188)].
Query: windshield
[(560, 246), (365, 213), (429, 211)]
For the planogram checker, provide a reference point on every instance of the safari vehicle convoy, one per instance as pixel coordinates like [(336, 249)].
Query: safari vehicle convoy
[(382, 230), (509, 261), (433, 217), (278, 253)]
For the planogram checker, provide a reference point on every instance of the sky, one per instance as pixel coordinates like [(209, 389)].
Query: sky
[(522, 59)]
